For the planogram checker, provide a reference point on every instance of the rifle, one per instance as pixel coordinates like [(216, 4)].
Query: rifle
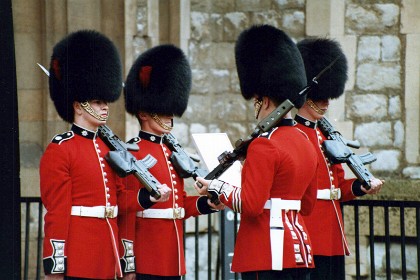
[(337, 151), (226, 159), (181, 160), (124, 163)]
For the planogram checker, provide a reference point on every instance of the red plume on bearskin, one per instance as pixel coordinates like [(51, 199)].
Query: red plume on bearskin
[(159, 81), (85, 65)]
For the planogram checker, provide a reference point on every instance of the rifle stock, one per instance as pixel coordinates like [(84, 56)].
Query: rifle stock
[(124, 163), (337, 151), (181, 160)]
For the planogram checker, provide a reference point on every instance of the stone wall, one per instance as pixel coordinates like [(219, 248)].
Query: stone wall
[(380, 108)]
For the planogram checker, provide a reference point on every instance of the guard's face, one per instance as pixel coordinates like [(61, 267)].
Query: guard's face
[(98, 109), (317, 109), (92, 113), (156, 124)]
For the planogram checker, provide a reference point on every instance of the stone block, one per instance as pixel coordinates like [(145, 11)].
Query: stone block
[(252, 5), (26, 16), (30, 154), (369, 48), (394, 107), (30, 105), (368, 106), (270, 17), (287, 4), (201, 81), (201, 5), (29, 182), (219, 81), (200, 26), (412, 91), (196, 112), (377, 76), (399, 134), (412, 172), (391, 48), (233, 24), (387, 160), (31, 132), (410, 22), (222, 55), (216, 27), (294, 22), (374, 133), (84, 14), (325, 17), (229, 109), (371, 19), (28, 48), (223, 6)]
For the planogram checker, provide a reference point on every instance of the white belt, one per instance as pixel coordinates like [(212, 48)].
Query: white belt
[(95, 211), (329, 194), (284, 204), (169, 213), (276, 206)]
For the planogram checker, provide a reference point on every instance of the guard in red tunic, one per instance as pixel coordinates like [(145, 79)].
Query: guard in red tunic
[(78, 188), (278, 176), (157, 89), (325, 224)]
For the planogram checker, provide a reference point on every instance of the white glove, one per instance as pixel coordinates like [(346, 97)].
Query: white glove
[(218, 187)]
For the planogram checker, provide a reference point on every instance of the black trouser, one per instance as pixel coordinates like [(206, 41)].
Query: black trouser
[(156, 277), (328, 268), (286, 274)]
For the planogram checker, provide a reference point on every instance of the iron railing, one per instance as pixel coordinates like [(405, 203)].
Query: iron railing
[(373, 220)]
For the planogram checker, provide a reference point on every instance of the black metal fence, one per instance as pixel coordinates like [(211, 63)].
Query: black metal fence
[(385, 238)]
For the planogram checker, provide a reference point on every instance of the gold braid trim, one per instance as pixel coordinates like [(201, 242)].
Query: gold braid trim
[(86, 106), (156, 118), (314, 107)]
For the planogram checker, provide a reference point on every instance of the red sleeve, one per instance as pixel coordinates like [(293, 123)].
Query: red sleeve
[(56, 188), (257, 179)]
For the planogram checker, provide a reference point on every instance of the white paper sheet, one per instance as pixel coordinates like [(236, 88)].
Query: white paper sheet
[(210, 146)]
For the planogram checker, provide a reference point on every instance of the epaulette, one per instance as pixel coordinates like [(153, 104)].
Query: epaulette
[(135, 140), (268, 133), (59, 138)]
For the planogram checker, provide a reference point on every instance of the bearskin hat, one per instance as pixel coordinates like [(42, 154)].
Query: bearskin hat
[(318, 54), (269, 64), (159, 82), (85, 65)]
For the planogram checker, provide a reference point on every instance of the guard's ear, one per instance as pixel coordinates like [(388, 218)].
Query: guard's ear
[(142, 116), (266, 102), (77, 107)]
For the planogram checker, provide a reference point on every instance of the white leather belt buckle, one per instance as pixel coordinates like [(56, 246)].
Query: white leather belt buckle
[(169, 213), (329, 194), (101, 212)]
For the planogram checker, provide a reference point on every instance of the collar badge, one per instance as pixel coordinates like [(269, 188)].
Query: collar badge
[(307, 123), (84, 133), (152, 138)]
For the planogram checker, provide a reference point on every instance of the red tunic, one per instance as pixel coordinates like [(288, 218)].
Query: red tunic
[(159, 243), (325, 224), (282, 165), (73, 172)]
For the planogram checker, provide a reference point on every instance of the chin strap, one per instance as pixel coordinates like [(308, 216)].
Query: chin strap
[(86, 106), (156, 118), (314, 107)]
